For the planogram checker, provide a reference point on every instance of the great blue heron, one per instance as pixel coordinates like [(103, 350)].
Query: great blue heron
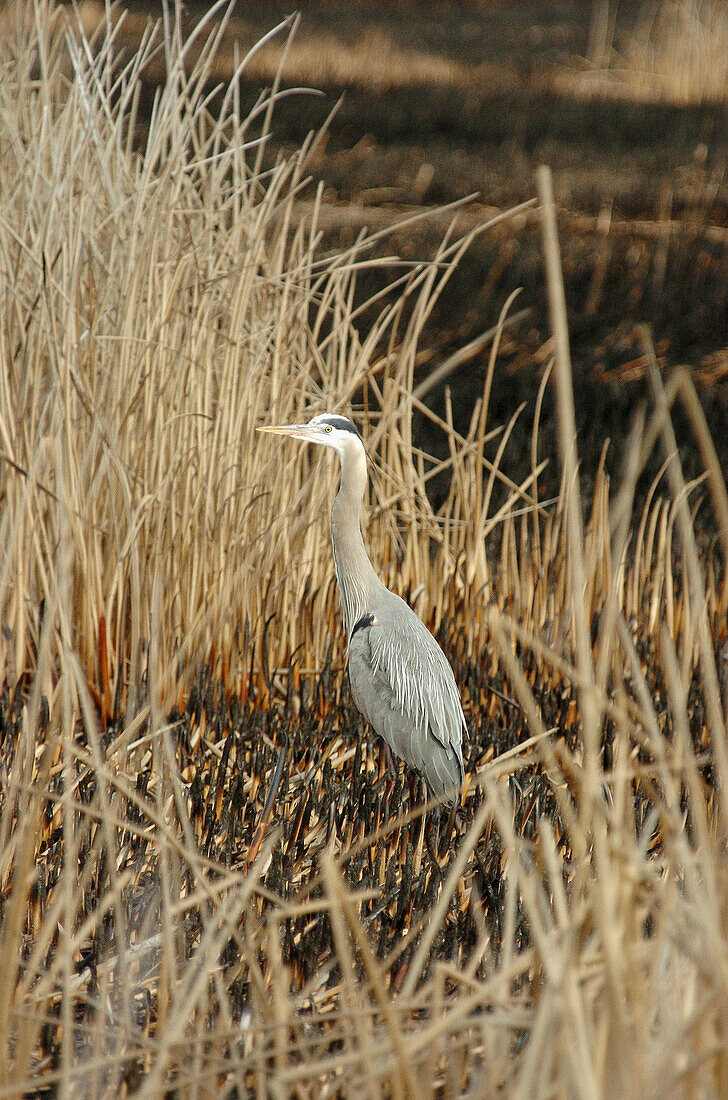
[(400, 679)]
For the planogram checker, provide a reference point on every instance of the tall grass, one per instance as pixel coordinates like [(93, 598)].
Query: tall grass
[(676, 53), (161, 297), (160, 302)]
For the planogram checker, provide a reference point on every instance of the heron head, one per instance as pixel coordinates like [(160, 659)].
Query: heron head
[(328, 429)]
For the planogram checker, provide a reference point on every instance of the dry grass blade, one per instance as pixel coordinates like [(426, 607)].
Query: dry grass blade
[(716, 475), (716, 718), (675, 52), (567, 450)]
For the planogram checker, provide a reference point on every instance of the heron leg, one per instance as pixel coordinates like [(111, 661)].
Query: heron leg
[(432, 837), (446, 836), (412, 780), (391, 772), (391, 766)]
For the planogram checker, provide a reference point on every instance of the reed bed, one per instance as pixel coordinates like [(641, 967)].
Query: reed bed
[(676, 52), (205, 885)]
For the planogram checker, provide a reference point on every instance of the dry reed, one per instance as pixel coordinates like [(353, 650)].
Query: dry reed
[(677, 52)]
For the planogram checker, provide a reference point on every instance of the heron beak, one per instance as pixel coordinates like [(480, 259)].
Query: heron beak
[(297, 431)]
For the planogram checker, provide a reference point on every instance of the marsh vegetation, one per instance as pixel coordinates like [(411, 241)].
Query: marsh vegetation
[(205, 886)]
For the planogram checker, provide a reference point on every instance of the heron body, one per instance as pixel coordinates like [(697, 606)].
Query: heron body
[(400, 679)]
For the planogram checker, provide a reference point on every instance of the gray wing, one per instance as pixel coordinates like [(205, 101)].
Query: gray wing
[(402, 683)]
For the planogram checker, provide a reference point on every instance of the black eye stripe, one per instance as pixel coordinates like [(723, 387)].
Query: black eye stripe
[(341, 424)]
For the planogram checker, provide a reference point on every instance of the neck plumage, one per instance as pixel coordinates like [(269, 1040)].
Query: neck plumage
[(358, 583)]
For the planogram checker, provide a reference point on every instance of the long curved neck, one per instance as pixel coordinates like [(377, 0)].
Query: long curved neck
[(358, 582)]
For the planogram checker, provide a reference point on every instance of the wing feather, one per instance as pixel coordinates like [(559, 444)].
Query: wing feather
[(403, 684)]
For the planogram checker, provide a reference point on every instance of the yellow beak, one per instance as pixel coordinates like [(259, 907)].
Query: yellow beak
[(297, 431)]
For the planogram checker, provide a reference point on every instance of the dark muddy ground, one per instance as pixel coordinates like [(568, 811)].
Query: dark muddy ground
[(641, 187)]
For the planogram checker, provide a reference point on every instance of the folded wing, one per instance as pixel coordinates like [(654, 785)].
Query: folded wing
[(402, 683)]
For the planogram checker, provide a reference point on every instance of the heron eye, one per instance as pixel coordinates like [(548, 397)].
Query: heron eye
[(328, 429)]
